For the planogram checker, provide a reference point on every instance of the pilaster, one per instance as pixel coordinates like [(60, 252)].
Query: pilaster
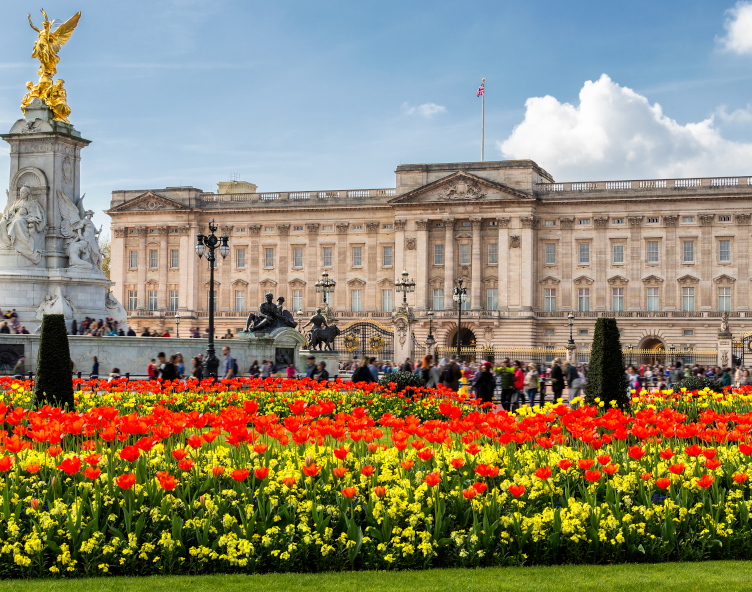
[(421, 264), (449, 264), (477, 266)]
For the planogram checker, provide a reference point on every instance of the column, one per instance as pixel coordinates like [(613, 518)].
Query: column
[(142, 266), (225, 297), (254, 264), (399, 246), (340, 270), (284, 262), (421, 265), (371, 264), (503, 282), (118, 264), (163, 267), (566, 300), (314, 269), (632, 299), (741, 252), (189, 262), (670, 290), (529, 249), (599, 264), (477, 266), (706, 261), (448, 263)]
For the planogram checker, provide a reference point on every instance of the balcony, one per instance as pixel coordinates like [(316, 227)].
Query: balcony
[(228, 200)]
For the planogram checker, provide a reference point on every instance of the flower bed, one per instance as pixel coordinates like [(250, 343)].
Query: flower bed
[(282, 476)]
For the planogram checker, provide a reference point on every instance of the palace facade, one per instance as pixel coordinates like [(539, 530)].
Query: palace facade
[(665, 256)]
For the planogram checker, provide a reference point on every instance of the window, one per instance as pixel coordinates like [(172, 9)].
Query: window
[(326, 228), (549, 299), (297, 300), (357, 256), (438, 298), (439, 225), (297, 257), (465, 225), (240, 258), (133, 259), (174, 258), (438, 254), (269, 229), (653, 300), (550, 253), (584, 253), (549, 331), (653, 252), (387, 300), (492, 298), (724, 250), (582, 332), (240, 300), (688, 299), (724, 299), (583, 299), (688, 219), (211, 297), (689, 333), (583, 222), (617, 299), (297, 228), (132, 299), (618, 252), (269, 257), (617, 221), (724, 218), (493, 223), (388, 256), (327, 257), (356, 298), (357, 227), (387, 226), (652, 220), (493, 253), (550, 223), (152, 300), (153, 259), (689, 251), (173, 300), (464, 254)]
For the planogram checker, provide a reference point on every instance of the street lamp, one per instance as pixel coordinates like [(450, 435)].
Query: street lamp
[(300, 320), (629, 347), (430, 340), (673, 361), (325, 285), (459, 296), (570, 316), (208, 245), (177, 324), (404, 285)]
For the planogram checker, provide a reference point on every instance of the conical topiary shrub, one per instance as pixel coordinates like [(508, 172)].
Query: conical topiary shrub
[(606, 378), (53, 382)]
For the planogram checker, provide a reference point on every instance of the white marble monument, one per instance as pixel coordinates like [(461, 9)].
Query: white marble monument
[(49, 250)]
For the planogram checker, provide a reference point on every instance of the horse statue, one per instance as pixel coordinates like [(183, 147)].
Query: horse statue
[(325, 336)]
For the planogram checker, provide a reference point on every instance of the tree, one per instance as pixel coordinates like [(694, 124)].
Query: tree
[(54, 380), (105, 248), (606, 379)]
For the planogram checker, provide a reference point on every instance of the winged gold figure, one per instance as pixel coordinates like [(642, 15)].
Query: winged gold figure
[(49, 42)]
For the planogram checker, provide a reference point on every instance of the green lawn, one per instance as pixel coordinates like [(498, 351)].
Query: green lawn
[(685, 577)]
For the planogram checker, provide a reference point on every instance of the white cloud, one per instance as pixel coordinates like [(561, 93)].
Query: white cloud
[(738, 116), (427, 110), (738, 27), (616, 133)]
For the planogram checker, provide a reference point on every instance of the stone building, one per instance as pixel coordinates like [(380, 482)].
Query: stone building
[(664, 256)]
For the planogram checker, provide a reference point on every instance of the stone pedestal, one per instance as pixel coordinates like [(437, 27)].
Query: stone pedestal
[(282, 346), (571, 352), (36, 232), (724, 350), (403, 321)]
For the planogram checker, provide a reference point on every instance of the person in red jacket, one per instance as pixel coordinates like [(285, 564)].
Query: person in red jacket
[(519, 385)]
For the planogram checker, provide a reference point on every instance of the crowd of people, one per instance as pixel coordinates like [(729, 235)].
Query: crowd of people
[(11, 324)]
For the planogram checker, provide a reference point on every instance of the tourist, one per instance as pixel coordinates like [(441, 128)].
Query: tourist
[(374, 369), (322, 375), (363, 373), (74, 327), (407, 366), (311, 370), (425, 368), (507, 384), (726, 378), (145, 332), (254, 370), (19, 369), (746, 380), (531, 384), (485, 385), (181, 364), (227, 335), (633, 381), (166, 333), (4, 327), (131, 332), (95, 368), (557, 379), (266, 369), (290, 371), (228, 365), (198, 370), (738, 376), (574, 384), (24, 330), (161, 360), (451, 374), (675, 374), (519, 386), (169, 369), (115, 374), (434, 376)]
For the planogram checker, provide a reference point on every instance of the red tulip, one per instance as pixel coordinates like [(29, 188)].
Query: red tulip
[(458, 463), (593, 475), (217, 471), (54, 451), (311, 470), (709, 453), (677, 469), (636, 452), (341, 453), (261, 473), (126, 481), (339, 472), (349, 492), (745, 449), (516, 490), (186, 464), (610, 469), (14, 444), (240, 474), (70, 465), (426, 454), (6, 462), (168, 482), (663, 483), (543, 473), (646, 476), (603, 459), (480, 487), (379, 491), (93, 459), (667, 454), (739, 477), (194, 441), (407, 464), (705, 482), (585, 463), (34, 504), (473, 449), (564, 464), (713, 463), (92, 473), (693, 450), (289, 481), (33, 468), (432, 479), (130, 453), (366, 471), (179, 453), (260, 448)]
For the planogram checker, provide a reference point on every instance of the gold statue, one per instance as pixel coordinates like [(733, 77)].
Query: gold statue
[(46, 48), (49, 42)]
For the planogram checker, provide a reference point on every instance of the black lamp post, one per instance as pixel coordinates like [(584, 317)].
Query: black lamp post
[(177, 324), (570, 317), (673, 361), (405, 286), (629, 347), (430, 340), (459, 296), (209, 245), (325, 285)]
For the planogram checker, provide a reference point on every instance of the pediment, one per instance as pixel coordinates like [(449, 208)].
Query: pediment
[(688, 279), (724, 279), (267, 283), (549, 279), (385, 282), (617, 279), (239, 281), (652, 279), (356, 283), (583, 280), (149, 202), (461, 187)]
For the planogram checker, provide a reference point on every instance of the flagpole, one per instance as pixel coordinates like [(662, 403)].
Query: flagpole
[(483, 125)]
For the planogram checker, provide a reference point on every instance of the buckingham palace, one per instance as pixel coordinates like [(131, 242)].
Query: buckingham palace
[(666, 257)]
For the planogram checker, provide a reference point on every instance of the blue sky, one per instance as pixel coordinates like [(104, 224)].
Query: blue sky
[(334, 95)]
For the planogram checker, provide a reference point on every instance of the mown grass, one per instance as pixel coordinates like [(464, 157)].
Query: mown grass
[(669, 577)]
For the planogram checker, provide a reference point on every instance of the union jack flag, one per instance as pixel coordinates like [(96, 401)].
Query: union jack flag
[(481, 90)]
